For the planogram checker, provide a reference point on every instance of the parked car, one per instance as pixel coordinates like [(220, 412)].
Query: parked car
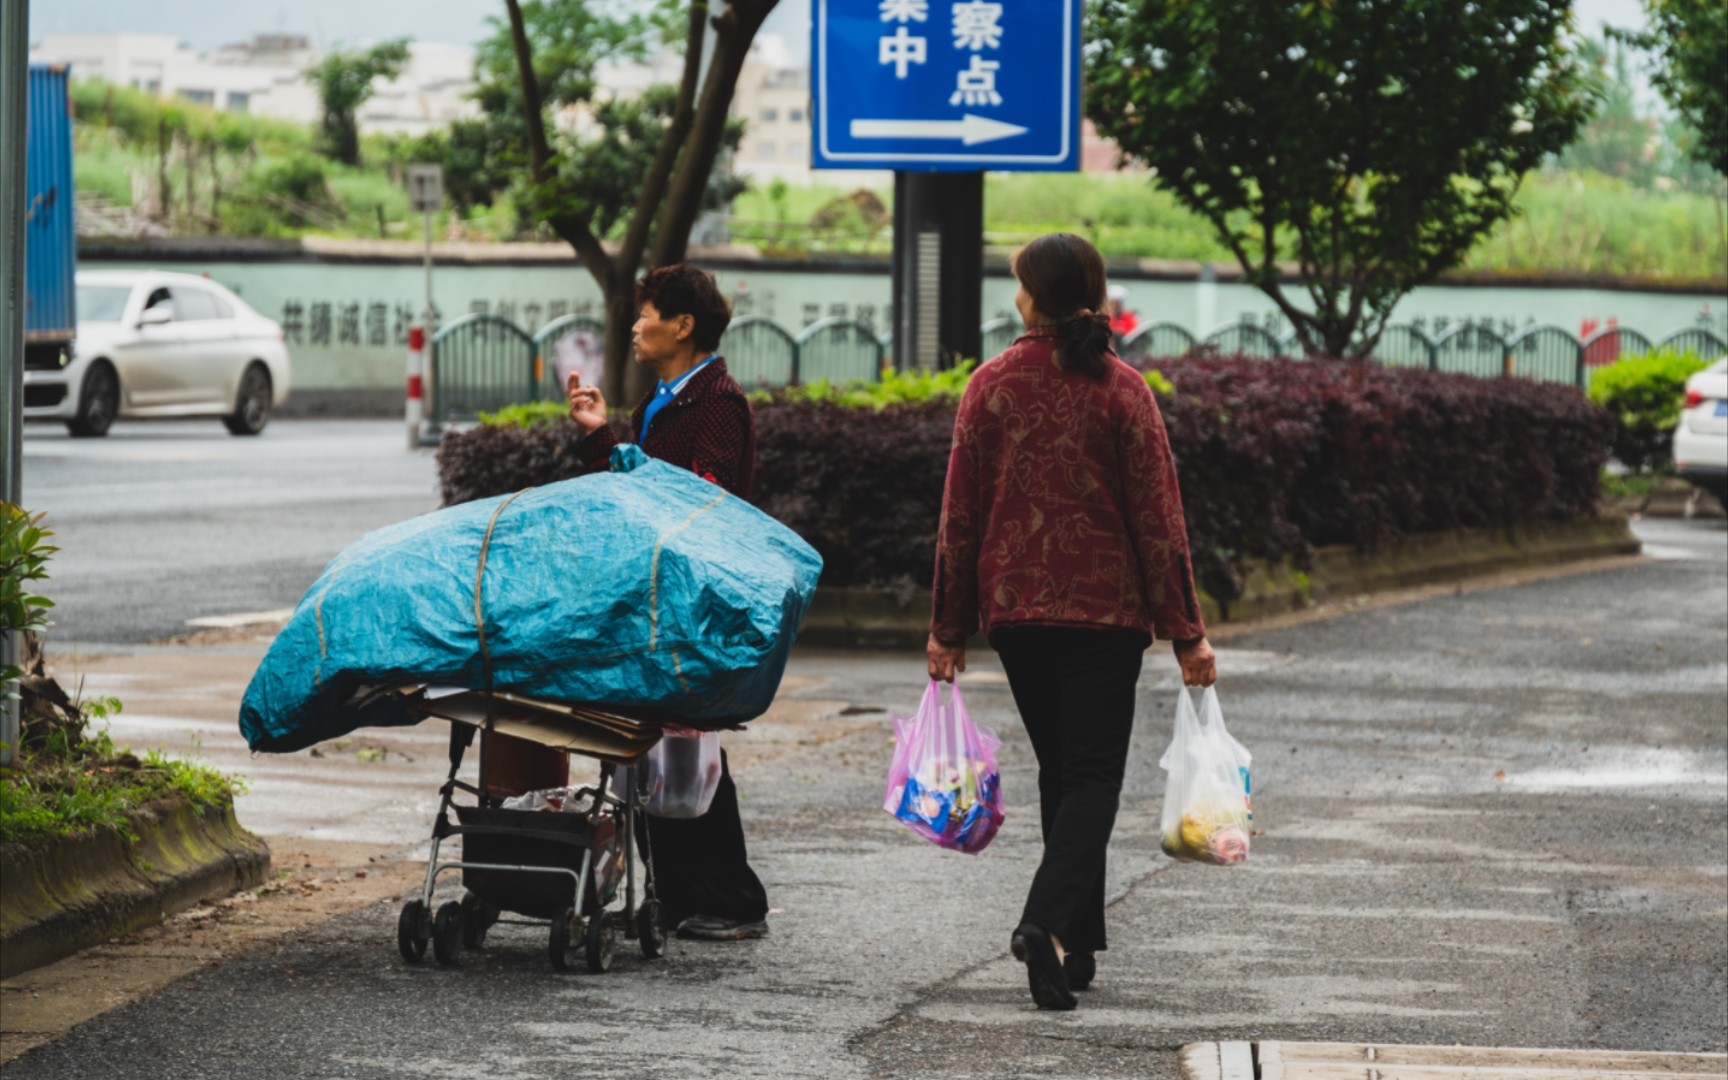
[(1701, 440), (158, 344)]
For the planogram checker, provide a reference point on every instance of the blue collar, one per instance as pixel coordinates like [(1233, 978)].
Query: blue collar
[(674, 389)]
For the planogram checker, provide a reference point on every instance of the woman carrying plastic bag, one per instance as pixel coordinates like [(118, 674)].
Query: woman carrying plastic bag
[(1063, 540)]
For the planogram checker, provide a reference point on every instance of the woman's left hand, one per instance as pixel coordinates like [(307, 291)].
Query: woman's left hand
[(946, 661), (1199, 662)]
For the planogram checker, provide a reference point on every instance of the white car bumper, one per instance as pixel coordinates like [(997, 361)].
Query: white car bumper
[(1701, 456), (50, 395)]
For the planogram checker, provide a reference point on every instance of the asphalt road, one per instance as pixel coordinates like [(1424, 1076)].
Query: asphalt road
[(1495, 818), (162, 523)]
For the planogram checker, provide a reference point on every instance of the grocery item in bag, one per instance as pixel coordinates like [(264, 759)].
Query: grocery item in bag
[(943, 781), (1208, 816)]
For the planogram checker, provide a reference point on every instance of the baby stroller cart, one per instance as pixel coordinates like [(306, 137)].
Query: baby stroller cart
[(561, 868)]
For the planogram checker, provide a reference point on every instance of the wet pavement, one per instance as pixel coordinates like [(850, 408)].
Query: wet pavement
[(1495, 818), (163, 522)]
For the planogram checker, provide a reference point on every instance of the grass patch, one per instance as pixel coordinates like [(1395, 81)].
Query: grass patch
[(1629, 485), (67, 789), (1586, 222), (1576, 222), (1568, 221)]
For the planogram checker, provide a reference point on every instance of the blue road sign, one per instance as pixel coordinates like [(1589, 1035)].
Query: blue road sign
[(946, 85)]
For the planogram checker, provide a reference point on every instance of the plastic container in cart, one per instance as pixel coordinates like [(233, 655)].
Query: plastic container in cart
[(680, 773)]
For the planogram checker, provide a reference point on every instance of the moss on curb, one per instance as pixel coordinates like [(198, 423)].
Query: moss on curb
[(57, 897)]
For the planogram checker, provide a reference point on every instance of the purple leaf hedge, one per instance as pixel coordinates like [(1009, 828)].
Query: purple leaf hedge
[(1277, 458)]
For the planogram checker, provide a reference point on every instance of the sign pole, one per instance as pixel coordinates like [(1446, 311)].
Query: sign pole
[(14, 116), (938, 261), (14, 88), (426, 258)]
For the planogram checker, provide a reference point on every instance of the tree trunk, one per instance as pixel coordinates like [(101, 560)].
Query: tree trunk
[(164, 207), (623, 385), (1337, 338), (189, 155), (215, 187)]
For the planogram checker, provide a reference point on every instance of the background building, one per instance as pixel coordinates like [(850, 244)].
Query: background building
[(267, 77)]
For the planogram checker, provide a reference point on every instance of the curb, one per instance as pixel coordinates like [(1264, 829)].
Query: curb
[(57, 899), (1671, 498), (1385, 1061), (845, 616)]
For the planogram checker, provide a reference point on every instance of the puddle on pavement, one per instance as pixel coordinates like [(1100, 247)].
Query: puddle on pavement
[(1611, 769)]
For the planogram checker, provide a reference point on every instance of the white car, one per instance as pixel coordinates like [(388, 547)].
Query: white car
[(156, 344), (1701, 440)]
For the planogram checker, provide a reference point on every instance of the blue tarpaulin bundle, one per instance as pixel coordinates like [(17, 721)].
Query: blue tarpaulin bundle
[(646, 590)]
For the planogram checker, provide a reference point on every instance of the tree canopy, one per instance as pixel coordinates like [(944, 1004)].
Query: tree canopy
[(1372, 142), (344, 83), (635, 170), (1690, 40)]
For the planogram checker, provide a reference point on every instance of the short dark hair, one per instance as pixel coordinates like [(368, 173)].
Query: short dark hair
[(684, 290)]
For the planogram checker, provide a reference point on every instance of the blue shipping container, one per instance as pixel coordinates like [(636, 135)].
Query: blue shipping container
[(50, 244)]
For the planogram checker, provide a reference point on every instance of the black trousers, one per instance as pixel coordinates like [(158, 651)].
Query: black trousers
[(700, 864), (1074, 688)]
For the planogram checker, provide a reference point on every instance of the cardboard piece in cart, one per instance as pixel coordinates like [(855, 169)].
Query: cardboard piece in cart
[(570, 728)]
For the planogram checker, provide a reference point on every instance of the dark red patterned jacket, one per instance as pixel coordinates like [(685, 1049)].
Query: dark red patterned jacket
[(1061, 507), (708, 428)]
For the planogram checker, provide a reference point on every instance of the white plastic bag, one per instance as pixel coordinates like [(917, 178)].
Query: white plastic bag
[(1208, 814), (680, 773), (563, 800)]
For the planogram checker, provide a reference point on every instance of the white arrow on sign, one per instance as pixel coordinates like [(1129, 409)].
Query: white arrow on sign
[(970, 130)]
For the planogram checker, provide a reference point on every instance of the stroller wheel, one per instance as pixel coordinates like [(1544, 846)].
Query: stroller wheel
[(651, 929), (560, 940), (411, 931), (447, 932), (477, 918), (598, 942)]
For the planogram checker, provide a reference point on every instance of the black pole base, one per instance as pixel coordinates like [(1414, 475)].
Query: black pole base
[(938, 269)]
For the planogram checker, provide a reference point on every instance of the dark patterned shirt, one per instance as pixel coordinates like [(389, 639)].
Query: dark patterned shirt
[(708, 428), (1061, 506)]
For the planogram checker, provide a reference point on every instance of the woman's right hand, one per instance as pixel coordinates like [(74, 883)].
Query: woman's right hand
[(946, 661), (587, 405), (1199, 662)]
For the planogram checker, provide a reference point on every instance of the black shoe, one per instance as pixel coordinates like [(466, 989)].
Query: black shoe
[(1044, 975), (714, 928), (1081, 968)]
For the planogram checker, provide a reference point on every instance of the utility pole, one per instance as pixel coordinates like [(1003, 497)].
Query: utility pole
[(14, 76)]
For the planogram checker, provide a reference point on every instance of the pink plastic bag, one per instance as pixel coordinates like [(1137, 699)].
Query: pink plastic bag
[(943, 782)]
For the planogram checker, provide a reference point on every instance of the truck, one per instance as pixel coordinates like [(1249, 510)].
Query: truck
[(50, 241)]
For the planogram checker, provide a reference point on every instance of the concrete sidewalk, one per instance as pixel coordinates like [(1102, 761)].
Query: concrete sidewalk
[(1491, 818)]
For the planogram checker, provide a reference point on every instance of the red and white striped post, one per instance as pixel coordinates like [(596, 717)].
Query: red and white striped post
[(416, 384)]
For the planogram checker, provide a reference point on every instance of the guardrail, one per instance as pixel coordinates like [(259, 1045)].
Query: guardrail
[(482, 363)]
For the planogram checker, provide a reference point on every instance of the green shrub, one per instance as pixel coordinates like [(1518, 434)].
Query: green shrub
[(529, 416), (24, 554), (894, 388), (63, 781), (1644, 394)]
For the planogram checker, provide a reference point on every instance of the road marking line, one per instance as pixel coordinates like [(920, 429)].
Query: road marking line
[(248, 618)]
